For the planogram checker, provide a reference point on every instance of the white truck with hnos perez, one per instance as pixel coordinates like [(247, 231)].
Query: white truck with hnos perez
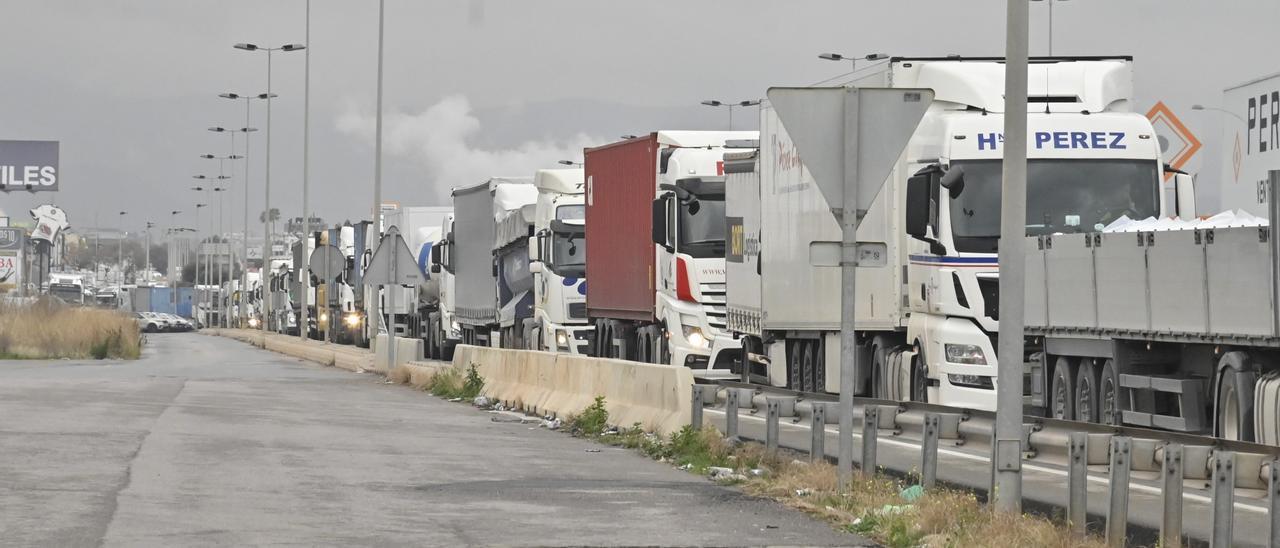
[(558, 260), (927, 281), (655, 235)]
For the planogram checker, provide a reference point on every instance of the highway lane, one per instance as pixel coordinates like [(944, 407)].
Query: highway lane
[(208, 441)]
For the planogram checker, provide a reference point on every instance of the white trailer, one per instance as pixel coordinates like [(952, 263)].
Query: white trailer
[(928, 277), (420, 228), (479, 213), (558, 260), (1250, 143)]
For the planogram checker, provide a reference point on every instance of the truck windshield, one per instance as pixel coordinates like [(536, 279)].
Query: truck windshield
[(67, 292), (576, 212), (1062, 196), (702, 231), (568, 254)]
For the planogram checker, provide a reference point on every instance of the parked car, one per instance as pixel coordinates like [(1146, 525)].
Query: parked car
[(149, 322), (178, 323)]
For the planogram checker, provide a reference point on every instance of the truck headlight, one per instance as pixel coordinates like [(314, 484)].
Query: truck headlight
[(969, 354), (693, 334), (253, 322), (352, 319), (562, 340), (324, 317)]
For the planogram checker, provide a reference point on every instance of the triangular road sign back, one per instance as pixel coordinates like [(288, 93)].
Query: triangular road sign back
[(392, 263)]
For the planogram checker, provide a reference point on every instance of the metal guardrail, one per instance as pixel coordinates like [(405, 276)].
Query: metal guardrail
[(1224, 464)]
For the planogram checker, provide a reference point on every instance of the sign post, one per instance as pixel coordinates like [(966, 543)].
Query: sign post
[(850, 139), (326, 262), (392, 265)]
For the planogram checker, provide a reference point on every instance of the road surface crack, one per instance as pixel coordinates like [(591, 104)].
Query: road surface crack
[(113, 497)]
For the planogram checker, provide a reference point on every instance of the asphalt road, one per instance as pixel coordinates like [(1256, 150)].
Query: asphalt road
[(208, 441)]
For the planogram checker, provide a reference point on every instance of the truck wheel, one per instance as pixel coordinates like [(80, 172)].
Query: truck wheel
[(1061, 393), (879, 361), (1233, 406), (793, 365), (807, 368), (1087, 391), (1111, 399), (919, 378), (642, 345)]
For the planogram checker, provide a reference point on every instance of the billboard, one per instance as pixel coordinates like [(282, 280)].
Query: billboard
[(29, 165), (11, 245)]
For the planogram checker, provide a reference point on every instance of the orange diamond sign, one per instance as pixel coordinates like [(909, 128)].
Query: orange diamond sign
[(1177, 143)]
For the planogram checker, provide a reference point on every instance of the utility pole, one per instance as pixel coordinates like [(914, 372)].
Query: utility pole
[(375, 304), (1007, 450), (148, 269)]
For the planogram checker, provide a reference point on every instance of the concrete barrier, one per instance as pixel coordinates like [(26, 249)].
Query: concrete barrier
[(407, 350), (655, 396)]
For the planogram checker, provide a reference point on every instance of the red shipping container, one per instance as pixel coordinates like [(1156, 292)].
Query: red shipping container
[(621, 187)]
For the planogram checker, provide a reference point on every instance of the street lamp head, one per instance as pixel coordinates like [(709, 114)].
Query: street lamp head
[(712, 103), (1197, 107), (628, 136), (569, 163), (200, 188), (218, 189), (267, 96), (229, 95), (876, 56), (748, 103), (247, 129), (217, 129), (293, 47), (223, 177), (234, 157), (175, 212), (246, 47), (201, 177), (831, 56), (124, 212), (208, 156)]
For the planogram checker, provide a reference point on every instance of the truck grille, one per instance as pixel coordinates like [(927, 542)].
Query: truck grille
[(713, 301), (578, 311), (990, 288)]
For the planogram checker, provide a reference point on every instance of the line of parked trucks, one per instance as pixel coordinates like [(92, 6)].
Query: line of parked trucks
[(715, 250)]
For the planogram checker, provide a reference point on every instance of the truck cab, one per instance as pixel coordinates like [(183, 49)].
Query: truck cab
[(442, 330), (558, 261)]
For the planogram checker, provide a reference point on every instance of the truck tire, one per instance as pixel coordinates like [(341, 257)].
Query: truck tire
[(807, 367), (1112, 401), (919, 377), (1233, 406), (1086, 404), (1062, 392), (793, 365), (879, 363)]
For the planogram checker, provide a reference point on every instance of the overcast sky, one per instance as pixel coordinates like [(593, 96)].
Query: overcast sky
[(502, 87)]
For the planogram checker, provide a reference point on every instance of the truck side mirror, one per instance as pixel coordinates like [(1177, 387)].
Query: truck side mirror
[(535, 255), (1184, 192), (435, 268), (660, 207), (535, 268), (917, 207)]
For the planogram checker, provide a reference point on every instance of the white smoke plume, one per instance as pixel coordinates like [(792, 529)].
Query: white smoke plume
[(438, 138)]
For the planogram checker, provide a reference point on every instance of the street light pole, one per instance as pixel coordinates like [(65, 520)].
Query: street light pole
[(120, 252), (266, 240), (304, 274), (244, 241), (375, 307), (221, 242), (715, 103), (1006, 453), (148, 251)]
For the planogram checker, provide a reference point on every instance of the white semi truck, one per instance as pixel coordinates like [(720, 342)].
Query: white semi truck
[(928, 277), (442, 330), (420, 227), (655, 235), (558, 261)]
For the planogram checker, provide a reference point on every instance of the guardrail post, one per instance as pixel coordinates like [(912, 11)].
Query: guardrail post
[(731, 414), (1077, 482), (771, 424), (818, 432), (929, 451), (1223, 496), (1118, 512), (1171, 518), (870, 427), (695, 418), (1273, 502)]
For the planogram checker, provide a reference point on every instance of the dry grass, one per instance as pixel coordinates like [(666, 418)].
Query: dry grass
[(876, 508), (51, 330)]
